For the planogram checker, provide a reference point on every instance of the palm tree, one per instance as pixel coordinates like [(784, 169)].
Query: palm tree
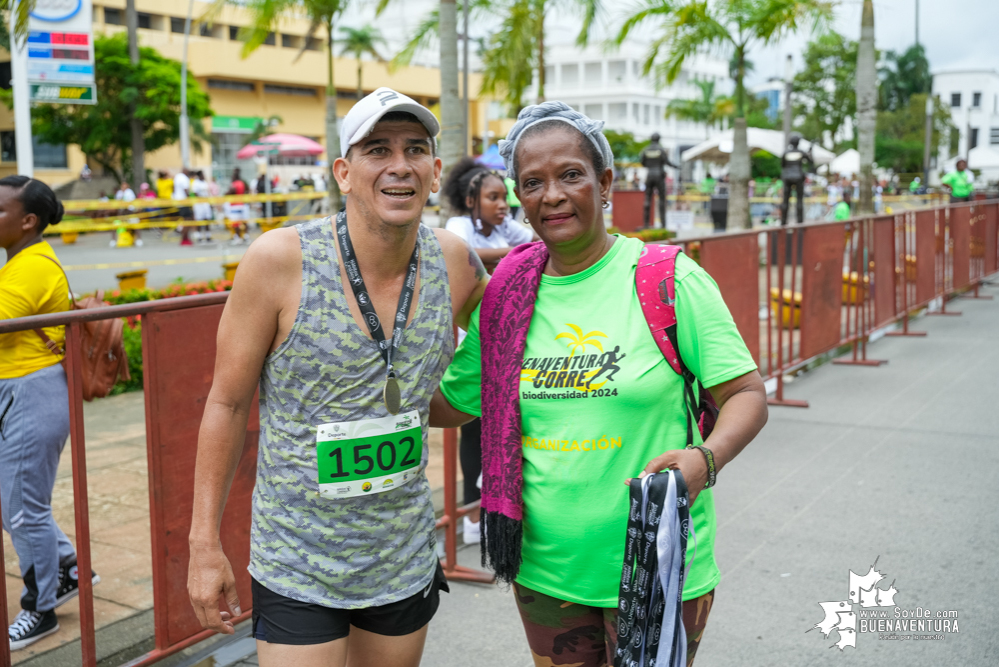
[(21, 12), (706, 110), (265, 15), (263, 127), (515, 52), (138, 141), (360, 41), (517, 49), (687, 27), (453, 130), (442, 23), (867, 109), (512, 54)]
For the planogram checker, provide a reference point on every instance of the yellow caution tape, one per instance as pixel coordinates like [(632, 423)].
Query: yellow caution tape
[(138, 204), (110, 224), (153, 262)]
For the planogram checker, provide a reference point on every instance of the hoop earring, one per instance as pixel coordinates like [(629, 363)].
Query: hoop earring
[(526, 221), (606, 204)]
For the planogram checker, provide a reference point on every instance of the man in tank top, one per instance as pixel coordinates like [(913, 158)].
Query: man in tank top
[(345, 324)]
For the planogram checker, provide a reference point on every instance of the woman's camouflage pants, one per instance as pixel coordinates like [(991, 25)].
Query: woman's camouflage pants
[(566, 634)]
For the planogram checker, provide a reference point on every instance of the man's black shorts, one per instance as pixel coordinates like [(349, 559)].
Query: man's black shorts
[(281, 620)]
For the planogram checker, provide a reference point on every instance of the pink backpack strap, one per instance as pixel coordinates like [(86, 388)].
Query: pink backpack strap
[(656, 293)]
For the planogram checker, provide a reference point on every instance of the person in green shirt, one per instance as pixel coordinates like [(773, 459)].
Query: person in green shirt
[(708, 185), (511, 197), (915, 185), (842, 209), (621, 416), (960, 182)]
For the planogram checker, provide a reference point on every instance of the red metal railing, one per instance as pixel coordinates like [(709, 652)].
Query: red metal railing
[(829, 285), (855, 277)]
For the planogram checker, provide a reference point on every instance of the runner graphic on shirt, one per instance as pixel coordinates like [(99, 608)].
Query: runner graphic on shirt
[(609, 363), (583, 375)]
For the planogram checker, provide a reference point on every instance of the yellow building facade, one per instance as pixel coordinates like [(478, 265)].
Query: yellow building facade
[(277, 79)]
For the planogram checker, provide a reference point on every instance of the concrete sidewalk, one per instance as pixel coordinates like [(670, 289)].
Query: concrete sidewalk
[(896, 463)]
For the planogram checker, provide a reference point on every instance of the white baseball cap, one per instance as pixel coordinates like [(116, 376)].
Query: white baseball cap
[(362, 117)]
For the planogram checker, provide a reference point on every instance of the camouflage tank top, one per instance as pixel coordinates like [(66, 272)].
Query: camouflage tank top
[(357, 552)]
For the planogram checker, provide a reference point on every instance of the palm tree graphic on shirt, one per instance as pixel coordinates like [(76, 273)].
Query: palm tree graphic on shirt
[(578, 340)]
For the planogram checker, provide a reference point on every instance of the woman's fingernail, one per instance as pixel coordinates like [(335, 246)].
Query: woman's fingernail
[(239, 612)]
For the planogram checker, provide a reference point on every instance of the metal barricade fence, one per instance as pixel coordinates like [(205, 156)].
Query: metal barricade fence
[(824, 286)]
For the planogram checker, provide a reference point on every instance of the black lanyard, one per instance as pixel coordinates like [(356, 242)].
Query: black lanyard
[(642, 605), (391, 392)]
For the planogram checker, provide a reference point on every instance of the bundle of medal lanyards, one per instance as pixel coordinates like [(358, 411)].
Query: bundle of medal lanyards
[(653, 575)]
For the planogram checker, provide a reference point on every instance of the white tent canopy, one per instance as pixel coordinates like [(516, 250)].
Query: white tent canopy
[(846, 163), (720, 148)]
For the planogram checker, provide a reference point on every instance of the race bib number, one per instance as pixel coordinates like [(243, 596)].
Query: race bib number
[(368, 456)]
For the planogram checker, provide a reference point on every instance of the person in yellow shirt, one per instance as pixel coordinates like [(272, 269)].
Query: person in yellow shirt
[(164, 185), (34, 408)]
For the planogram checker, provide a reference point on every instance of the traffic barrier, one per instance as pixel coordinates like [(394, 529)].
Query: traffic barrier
[(899, 264), (128, 280), (800, 292)]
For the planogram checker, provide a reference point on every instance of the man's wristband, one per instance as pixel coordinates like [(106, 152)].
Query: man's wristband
[(710, 458)]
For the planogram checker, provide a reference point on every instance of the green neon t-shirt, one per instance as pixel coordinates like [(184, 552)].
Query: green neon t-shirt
[(598, 402), (961, 183), (841, 211), (511, 196)]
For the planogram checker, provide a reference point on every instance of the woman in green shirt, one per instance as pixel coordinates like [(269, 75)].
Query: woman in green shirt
[(619, 413)]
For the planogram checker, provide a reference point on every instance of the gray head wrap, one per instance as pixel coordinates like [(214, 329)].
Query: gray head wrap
[(559, 111)]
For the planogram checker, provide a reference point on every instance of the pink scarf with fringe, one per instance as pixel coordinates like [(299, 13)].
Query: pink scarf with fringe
[(504, 319)]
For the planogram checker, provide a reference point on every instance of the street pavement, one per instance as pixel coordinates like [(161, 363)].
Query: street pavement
[(895, 464), (92, 264)]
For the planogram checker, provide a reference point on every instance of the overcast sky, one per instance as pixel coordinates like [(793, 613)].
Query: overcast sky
[(957, 34)]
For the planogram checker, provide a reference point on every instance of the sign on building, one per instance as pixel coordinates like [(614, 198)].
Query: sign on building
[(61, 52)]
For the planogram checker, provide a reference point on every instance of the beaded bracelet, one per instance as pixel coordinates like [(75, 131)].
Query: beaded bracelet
[(710, 458)]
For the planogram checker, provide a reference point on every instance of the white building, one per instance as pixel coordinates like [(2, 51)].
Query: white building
[(609, 86), (973, 98)]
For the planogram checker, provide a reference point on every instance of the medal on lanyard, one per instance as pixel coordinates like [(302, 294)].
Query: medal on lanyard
[(391, 393)]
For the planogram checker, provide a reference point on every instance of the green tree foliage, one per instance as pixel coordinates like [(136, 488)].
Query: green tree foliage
[(765, 165), (154, 87), (901, 134), (756, 112), (705, 110), (625, 147), (22, 10), (358, 42), (514, 53), (687, 27), (825, 100), (902, 76), (824, 96), (132, 340), (510, 56)]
